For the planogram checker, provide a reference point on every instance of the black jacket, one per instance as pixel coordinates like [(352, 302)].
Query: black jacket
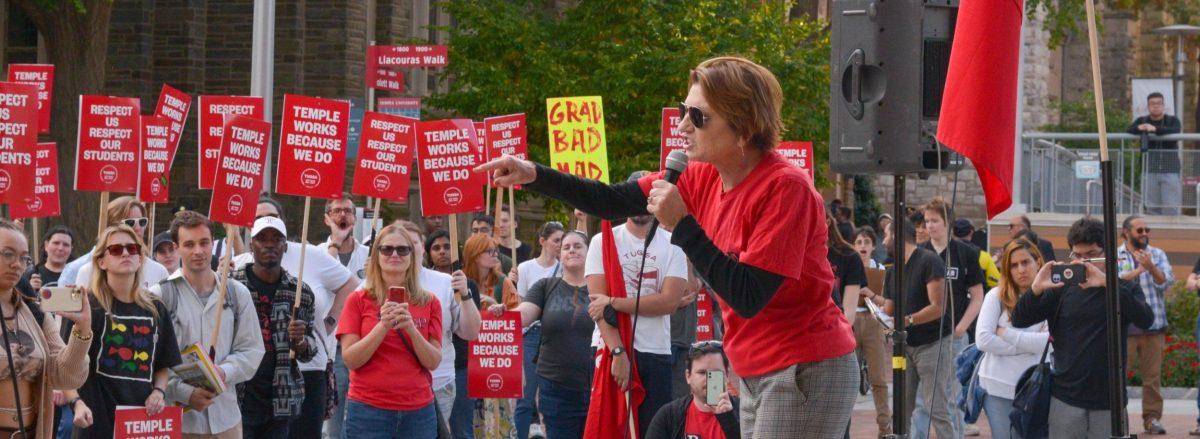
[(671, 418)]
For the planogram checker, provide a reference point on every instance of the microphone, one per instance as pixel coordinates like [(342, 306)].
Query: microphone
[(676, 163)]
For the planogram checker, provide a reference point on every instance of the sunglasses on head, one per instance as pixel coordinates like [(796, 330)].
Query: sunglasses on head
[(122, 249), (388, 250), (695, 114), (136, 222), (710, 346)]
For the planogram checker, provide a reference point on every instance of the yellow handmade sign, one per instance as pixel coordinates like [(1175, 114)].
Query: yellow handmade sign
[(577, 141)]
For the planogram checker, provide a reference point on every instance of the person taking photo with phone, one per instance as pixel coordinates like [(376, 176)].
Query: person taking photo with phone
[(391, 336), (1075, 311), (709, 412)]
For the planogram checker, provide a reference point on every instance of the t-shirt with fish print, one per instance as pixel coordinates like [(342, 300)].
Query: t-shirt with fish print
[(128, 346)]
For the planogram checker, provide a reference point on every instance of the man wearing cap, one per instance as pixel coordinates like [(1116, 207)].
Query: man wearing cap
[(189, 295), (165, 252), (271, 400)]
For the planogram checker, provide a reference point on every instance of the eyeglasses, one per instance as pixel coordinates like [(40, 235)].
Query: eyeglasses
[(10, 256), (136, 222), (1088, 255), (389, 250), (123, 249), (340, 211), (694, 113), (1142, 230)]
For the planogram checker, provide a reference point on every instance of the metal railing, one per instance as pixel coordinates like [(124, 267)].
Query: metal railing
[(1060, 173)]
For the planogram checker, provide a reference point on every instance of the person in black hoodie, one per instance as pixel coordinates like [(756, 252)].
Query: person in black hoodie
[(691, 416), (1079, 406)]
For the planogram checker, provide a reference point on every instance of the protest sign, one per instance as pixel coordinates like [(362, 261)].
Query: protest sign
[(41, 75), (447, 156), (312, 147), (133, 423), (577, 142), (173, 105), (18, 139), (385, 156), (704, 315), (156, 159), (672, 139), (407, 107), (106, 158), (480, 141), (40, 198), (799, 153), (507, 135), (239, 173), (494, 366), (211, 114)]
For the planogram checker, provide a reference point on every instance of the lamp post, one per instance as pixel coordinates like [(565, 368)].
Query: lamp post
[(1179, 31)]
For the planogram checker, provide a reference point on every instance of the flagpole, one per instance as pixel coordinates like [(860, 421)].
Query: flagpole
[(1116, 372)]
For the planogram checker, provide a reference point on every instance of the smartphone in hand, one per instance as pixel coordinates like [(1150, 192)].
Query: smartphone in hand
[(714, 387), (1068, 274), (398, 294), (61, 299)]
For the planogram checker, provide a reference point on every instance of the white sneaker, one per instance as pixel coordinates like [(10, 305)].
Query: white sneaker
[(537, 432), (970, 430)]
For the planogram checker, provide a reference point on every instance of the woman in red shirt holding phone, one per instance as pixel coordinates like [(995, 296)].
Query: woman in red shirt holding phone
[(390, 333)]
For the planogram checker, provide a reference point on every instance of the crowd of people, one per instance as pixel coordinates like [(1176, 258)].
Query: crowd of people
[(367, 337)]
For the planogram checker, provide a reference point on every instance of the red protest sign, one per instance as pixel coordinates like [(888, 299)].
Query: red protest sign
[(134, 423), (408, 56), (239, 173), (106, 159), (41, 75), (672, 139), (156, 160), (211, 114), (18, 139), (704, 316), (799, 153), (480, 142), (494, 366), (385, 154), (446, 156), (312, 146), (40, 199), (173, 105), (505, 135)]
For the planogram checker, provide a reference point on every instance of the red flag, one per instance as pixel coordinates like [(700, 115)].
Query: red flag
[(608, 413), (979, 105)]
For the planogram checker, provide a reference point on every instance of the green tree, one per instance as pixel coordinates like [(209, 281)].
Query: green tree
[(509, 56)]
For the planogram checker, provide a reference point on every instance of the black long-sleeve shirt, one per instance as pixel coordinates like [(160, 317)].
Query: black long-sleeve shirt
[(747, 289), (1079, 335), (1162, 155)]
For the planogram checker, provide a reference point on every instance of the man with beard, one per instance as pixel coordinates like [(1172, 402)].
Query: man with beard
[(664, 278), (1020, 225), (1138, 261), (340, 217), (271, 401)]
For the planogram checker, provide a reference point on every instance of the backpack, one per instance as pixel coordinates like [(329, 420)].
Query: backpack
[(169, 294)]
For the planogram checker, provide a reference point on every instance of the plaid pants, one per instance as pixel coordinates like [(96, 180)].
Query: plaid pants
[(810, 400)]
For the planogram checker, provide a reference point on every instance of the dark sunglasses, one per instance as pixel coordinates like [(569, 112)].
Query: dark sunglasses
[(694, 113), (136, 222), (1142, 230), (388, 250), (122, 249)]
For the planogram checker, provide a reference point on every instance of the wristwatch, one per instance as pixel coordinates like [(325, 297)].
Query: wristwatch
[(618, 351), (908, 321)]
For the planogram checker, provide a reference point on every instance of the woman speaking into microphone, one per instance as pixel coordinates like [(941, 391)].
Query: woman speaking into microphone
[(754, 227)]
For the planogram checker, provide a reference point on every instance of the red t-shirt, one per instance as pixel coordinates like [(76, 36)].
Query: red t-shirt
[(392, 379), (700, 425), (775, 221)]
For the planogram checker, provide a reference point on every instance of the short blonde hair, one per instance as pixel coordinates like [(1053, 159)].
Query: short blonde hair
[(745, 94), (119, 208)]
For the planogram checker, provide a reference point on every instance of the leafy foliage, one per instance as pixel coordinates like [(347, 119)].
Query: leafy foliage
[(1064, 17), (510, 56)]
